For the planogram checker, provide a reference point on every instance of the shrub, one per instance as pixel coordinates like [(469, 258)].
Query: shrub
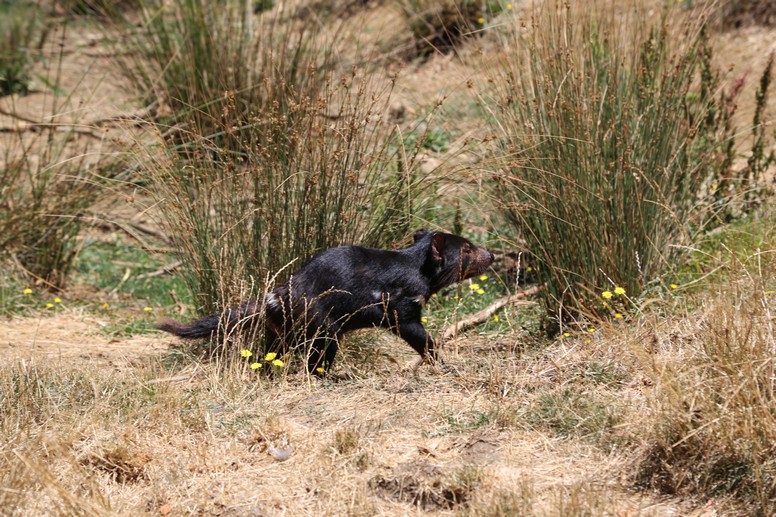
[(22, 31), (604, 161)]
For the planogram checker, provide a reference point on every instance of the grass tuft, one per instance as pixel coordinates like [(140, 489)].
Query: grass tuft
[(712, 428), (603, 164)]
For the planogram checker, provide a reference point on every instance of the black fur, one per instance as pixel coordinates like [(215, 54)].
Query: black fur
[(352, 287)]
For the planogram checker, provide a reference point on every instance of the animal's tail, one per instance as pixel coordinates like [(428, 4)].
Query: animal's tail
[(206, 327), (212, 325)]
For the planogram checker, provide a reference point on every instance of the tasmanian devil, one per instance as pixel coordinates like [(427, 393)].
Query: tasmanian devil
[(352, 287)]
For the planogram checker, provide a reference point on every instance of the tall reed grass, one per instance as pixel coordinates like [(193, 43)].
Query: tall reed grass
[(188, 54), (46, 190), (604, 162)]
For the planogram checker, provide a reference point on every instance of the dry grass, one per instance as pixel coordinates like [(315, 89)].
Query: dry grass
[(461, 439), (712, 426)]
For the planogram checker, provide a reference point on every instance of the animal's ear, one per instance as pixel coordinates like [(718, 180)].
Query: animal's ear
[(419, 234), (438, 243)]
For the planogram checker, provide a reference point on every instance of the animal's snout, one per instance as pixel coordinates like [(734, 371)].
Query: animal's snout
[(486, 257)]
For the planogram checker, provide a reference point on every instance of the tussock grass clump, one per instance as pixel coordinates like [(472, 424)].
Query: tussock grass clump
[(276, 154), (604, 161), (289, 184), (712, 426), (22, 32)]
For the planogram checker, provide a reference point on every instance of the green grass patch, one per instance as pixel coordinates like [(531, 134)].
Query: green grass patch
[(460, 422), (471, 296), (121, 270), (742, 244), (572, 413)]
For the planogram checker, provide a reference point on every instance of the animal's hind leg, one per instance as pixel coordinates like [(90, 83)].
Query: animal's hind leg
[(322, 353)]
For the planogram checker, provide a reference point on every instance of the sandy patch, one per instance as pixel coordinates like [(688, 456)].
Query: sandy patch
[(70, 337)]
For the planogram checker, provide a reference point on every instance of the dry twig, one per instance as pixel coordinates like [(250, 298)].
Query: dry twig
[(480, 317)]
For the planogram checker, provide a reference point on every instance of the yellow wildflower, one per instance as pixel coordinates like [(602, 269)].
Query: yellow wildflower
[(509, 7), (105, 306), (49, 305), (617, 315), (619, 290), (255, 366), (278, 363), (480, 20), (606, 294), (424, 320), (674, 286), (474, 287), (591, 330), (483, 277), (495, 317), (246, 353), (27, 291), (270, 356), (529, 269), (566, 334), (320, 369), (148, 309), (57, 300), (480, 291)]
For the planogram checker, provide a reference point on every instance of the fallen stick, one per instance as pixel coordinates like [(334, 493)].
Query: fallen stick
[(480, 317), (162, 271)]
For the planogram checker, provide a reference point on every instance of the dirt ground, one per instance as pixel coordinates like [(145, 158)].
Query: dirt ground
[(73, 337)]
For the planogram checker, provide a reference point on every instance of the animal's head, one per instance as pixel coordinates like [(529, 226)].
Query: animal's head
[(453, 258)]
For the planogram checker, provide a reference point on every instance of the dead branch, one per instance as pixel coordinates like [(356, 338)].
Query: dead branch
[(162, 271), (480, 317), (65, 128), (95, 128)]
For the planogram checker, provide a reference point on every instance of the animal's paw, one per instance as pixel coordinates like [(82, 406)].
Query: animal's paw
[(432, 359)]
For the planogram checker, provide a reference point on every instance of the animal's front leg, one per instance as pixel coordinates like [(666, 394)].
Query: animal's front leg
[(414, 334)]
